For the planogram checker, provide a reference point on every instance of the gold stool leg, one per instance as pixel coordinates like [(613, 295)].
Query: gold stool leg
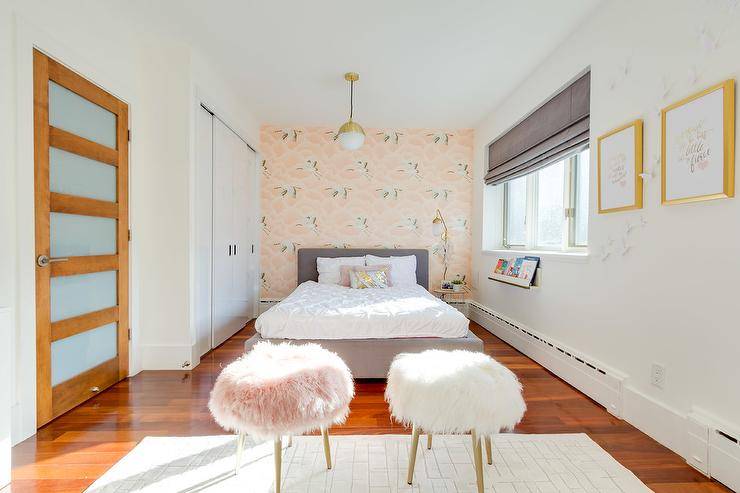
[(429, 441), (478, 460), (278, 463), (327, 450), (412, 457), (488, 450), (239, 447)]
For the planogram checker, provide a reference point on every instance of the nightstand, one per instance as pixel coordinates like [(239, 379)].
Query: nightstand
[(447, 295)]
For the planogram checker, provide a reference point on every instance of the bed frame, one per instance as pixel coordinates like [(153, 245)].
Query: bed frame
[(371, 358)]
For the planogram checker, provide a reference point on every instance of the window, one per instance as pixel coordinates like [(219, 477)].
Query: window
[(548, 209)]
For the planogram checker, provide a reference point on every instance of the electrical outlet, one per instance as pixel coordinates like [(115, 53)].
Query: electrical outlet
[(657, 375)]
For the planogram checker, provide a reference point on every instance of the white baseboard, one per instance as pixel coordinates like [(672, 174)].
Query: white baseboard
[(462, 306), (266, 304), (708, 444), (660, 422), (169, 357)]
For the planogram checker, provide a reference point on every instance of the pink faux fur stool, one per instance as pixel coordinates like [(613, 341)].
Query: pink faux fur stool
[(454, 392), (282, 389)]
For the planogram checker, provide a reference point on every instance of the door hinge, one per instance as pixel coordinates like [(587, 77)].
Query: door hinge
[(129, 334), (129, 135), (129, 235), (570, 212)]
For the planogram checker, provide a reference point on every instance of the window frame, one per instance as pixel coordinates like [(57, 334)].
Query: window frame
[(570, 197), (505, 240)]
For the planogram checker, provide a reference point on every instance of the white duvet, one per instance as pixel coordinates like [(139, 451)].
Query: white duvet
[(328, 311)]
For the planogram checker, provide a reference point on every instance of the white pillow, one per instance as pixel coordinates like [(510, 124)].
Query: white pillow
[(329, 267), (403, 269)]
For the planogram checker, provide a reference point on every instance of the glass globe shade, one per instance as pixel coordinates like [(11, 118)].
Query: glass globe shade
[(351, 136)]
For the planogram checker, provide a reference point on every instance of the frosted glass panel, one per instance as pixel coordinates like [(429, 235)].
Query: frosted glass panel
[(76, 354), (76, 295), (76, 175), (79, 116), (73, 235)]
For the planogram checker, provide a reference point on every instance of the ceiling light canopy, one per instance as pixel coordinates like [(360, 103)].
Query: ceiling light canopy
[(351, 136)]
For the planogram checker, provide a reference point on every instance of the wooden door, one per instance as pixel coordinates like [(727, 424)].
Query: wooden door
[(81, 181)]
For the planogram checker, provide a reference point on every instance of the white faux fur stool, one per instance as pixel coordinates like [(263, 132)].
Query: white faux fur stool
[(440, 392), (281, 389)]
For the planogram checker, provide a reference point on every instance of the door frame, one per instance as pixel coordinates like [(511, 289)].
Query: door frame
[(28, 37), (54, 400), (202, 98)]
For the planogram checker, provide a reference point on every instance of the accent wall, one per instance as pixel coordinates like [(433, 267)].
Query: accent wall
[(384, 195)]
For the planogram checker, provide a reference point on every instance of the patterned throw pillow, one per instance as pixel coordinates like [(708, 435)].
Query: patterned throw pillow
[(363, 279), (344, 279)]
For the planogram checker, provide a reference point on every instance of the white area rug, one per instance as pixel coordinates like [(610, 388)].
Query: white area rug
[(369, 464)]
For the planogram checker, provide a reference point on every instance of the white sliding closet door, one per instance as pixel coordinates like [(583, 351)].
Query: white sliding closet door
[(233, 192), (226, 269), (243, 227), (223, 244)]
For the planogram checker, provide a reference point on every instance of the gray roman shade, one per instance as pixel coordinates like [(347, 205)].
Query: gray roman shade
[(557, 128)]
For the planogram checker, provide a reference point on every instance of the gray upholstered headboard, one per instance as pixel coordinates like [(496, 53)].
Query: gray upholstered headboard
[(307, 260)]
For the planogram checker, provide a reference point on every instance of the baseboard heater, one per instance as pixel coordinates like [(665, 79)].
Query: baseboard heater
[(714, 447), (596, 380)]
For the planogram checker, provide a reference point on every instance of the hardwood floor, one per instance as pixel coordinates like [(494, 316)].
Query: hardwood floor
[(69, 453)]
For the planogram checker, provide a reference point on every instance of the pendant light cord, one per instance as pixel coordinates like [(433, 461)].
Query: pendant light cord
[(351, 98)]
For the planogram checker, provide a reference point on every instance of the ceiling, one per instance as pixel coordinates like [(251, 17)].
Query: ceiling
[(422, 63)]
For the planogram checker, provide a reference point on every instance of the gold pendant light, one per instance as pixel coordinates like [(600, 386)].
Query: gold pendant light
[(351, 136)]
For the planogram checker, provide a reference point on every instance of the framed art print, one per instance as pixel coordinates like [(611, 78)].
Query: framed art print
[(619, 166), (698, 146)]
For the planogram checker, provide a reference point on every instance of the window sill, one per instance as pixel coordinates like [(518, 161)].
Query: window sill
[(571, 257)]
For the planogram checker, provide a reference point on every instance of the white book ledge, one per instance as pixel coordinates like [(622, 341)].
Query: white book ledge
[(516, 281)]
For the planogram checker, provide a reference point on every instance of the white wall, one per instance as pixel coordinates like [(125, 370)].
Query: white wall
[(7, 223), (7, 152), (156, 74), (671, 298)]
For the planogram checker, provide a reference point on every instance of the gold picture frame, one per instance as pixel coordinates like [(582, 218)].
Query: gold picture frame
[(728, 144), (637, 126)]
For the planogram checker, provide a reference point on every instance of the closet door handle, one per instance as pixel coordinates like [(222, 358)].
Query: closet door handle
[(234, 248), (229, 250)]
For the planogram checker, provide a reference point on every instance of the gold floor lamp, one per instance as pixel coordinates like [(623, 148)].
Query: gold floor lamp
[(439, 229)]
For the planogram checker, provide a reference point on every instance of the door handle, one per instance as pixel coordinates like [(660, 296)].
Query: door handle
[(44, 260), (234, 248), (229, 250)]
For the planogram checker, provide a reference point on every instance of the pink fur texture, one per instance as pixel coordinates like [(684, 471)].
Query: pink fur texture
[(282, 389)]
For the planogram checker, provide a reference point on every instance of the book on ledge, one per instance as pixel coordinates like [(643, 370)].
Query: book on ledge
[(519, 271)]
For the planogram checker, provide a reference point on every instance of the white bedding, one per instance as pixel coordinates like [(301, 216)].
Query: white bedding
[(327, 311)]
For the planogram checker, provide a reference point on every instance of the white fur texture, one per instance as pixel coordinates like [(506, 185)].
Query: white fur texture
[(454, 392)]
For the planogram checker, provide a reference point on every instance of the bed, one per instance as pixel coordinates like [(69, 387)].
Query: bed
[(366, 327)]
